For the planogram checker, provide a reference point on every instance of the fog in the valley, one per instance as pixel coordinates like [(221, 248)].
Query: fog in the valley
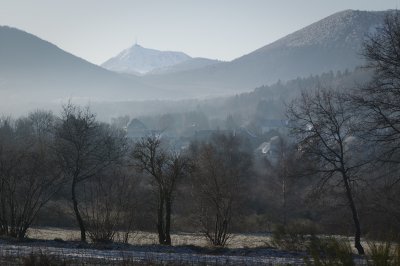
[(294, 143)]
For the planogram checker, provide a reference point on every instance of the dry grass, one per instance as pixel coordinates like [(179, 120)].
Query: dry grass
[(147, 238), (178, 239)]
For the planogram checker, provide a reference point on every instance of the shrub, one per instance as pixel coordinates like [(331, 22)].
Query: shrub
[(41, 259), (329, 252), (383, 254), (293, 237)]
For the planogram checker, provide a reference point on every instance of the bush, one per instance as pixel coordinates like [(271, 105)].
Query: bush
[(383, 254), (329, 252), (293, 237), (110, 205), (42, 259)]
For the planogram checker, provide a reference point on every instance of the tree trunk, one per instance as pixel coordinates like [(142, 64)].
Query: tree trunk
[(160, 219), (357, 237), (168, 204), (77, 213), (22, 233), (283, 177), (284, 199), (3, 214)]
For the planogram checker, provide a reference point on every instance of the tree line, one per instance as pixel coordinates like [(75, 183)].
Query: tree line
[(43, 154)]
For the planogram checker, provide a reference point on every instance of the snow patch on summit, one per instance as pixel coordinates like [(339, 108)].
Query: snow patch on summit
[(138, 59)]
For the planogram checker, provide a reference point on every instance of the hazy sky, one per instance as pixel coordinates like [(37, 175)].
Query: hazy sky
[(220, 29)]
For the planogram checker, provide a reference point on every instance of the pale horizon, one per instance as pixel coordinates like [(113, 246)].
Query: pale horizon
[(98, 30)]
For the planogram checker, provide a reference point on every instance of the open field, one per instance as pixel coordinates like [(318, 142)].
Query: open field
[(148, 238), (61, 247), (146, 255), (237, 241)]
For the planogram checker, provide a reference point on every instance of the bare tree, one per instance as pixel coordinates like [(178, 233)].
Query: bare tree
[(220, 169), (322, 124), (378, 104), (109, 204), (379, 100), (84, 149), (280, 163), (29, 176), (166, 169)]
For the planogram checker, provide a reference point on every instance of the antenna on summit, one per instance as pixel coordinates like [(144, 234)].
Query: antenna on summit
[(136, 41)]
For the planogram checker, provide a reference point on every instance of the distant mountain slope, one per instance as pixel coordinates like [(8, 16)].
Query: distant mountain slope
[(265, 102), (191, 64), (138, 59), (332, 43), (34, 70)]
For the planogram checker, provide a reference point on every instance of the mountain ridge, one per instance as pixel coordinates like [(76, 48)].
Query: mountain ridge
[(187, 65), (295, 55), (33, 70)]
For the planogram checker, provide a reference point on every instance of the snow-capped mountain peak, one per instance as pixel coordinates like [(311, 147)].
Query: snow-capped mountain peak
[(138, 59)]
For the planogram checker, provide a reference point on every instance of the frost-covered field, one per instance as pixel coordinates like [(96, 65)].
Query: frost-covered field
[(146, 238), (187, 249), (148, 254)]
